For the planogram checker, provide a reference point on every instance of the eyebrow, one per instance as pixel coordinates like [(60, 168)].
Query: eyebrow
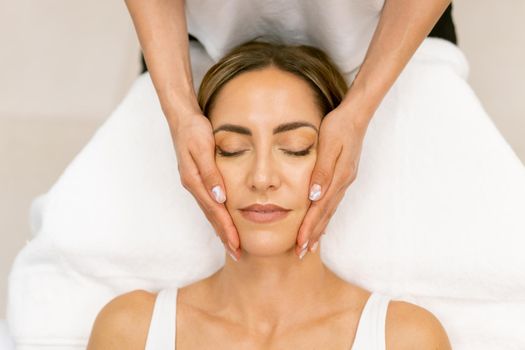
[(281, 128)]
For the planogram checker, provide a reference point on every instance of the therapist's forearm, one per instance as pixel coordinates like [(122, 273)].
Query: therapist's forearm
[(403, 25), (163, 36)]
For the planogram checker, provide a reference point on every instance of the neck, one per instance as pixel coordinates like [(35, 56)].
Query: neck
[(268, 294)]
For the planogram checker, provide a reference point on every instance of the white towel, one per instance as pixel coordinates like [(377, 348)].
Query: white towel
[(6, 342), (435, 216)]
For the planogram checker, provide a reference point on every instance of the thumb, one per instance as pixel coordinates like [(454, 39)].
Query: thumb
[(323, 171), (210, 176)]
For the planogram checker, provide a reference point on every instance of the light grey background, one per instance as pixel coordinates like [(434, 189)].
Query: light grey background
[(65, 65)]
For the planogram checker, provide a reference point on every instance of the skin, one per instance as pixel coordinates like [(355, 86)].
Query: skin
[(269, 299), (162, 31)]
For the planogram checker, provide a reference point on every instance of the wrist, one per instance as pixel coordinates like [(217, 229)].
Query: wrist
[(367, 90), (177, 107), (358, 106)]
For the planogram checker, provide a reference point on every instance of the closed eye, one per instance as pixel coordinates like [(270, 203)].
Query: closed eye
[(228, 154), (304, 152), (301, 153)]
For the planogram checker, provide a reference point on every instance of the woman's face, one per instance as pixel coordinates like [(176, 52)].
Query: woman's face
[(252, 118)]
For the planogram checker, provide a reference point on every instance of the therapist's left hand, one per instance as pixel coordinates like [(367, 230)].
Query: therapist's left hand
[(340, 140)]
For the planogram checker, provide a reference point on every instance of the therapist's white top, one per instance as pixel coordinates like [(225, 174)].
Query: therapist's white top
[(341, 28), (370, 333)]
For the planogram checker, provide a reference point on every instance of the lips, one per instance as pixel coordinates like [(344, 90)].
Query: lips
[(264, 213), (264, 217), (264, 208)]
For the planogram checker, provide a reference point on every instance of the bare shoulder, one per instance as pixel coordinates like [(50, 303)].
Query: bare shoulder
[(409, 326), (123, 322)]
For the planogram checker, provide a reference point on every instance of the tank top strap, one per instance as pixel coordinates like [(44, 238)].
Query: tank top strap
[(161, 333), (370, 333)]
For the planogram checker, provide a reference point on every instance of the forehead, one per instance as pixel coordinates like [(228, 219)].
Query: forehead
[(264, 99)]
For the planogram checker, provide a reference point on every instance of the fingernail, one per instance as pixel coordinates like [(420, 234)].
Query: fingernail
[(303, 252), (217, 193), (232, 256), (229, 251), (305, 244), (313, 248), (231, 246), (315, 192)]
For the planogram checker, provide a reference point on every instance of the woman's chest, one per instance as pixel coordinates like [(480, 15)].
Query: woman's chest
[(196, 332)]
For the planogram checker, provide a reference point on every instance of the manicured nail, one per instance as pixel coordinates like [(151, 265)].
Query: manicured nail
[(232, 256), (229, 251), (231, 246), (315, 192), (217, 193), (313, 248), (305, 244), (303, 252)]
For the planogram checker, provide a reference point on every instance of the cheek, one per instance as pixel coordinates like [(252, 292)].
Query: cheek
[(223, 167), (297, 175), (294, 178), (299, 171), (231, 177)]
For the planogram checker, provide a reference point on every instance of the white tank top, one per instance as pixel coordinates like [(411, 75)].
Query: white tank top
[(342, 28), (370, 333)]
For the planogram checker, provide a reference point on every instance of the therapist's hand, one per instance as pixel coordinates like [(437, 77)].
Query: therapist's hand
[(338, 153), (195, 149)]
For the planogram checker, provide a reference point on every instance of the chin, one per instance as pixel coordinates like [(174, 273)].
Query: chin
[(266, 242), (268, 239)]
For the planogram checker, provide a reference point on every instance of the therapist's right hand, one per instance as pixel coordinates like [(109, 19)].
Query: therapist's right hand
[(195, 149)]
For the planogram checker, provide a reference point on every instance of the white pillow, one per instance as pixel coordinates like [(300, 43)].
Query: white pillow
[(435, 216)]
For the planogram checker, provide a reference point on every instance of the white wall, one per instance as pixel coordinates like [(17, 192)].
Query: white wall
[(492, 35), (65, 59), (65, 65)]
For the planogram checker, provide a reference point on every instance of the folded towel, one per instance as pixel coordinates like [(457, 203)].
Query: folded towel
[(434, 217)]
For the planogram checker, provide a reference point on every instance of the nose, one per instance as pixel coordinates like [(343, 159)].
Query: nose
[(264, 173)]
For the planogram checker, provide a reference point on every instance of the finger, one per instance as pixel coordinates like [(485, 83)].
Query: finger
[(345, 179), (214, 217), (321, 211), (318, 217), (313, 214), (320, 227), (228, 246), (210, 176), (316, 207), (216, 213), (222, 223), (323, 171), (320, 180), (219, 217)]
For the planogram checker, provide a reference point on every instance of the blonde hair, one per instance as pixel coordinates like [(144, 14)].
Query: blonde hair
[(307, 62)]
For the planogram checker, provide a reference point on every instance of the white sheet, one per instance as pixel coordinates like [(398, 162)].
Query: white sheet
[(6, 342), (435, 216)]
